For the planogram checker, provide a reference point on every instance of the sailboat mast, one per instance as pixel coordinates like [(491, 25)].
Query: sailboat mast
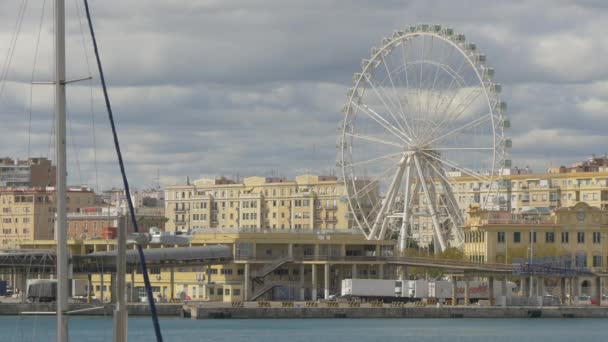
[(60, 189)]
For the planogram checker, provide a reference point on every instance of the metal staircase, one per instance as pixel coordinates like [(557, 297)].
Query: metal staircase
[(258, 277)]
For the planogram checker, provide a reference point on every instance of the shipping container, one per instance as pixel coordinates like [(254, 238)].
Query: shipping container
[(369, 288)]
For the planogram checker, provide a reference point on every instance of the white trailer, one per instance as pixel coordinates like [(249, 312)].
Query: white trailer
[(416, 289), (477, 289), (369, 288), (79, 288)]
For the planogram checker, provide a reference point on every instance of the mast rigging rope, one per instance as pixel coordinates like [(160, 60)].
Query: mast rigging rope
[(140, 251)]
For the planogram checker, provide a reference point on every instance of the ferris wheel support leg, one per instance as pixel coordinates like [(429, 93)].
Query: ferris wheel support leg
[(431, 207), (406, 204), (380, 219)]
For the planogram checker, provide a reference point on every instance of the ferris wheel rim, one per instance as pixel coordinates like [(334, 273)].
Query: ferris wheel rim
[(491, 100)]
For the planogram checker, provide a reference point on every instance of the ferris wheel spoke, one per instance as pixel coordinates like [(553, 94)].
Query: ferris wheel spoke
[(375, 180), (456, 77), (388, 108), (456, 166), (374, 139), (397, 97), (453, 116), (388, 156), (457, 148), (383, 122), (479, 121)]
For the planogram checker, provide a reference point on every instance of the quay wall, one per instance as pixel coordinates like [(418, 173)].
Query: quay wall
[(413, 312), (174, 310)]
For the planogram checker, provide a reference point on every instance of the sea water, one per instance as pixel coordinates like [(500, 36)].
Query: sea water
[(90, 329)]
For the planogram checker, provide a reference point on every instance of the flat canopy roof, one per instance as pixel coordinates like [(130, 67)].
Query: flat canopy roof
[(177, 256), (38, 260)]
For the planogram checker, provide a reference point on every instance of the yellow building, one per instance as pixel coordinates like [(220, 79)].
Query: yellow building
[(520, 191), (275, 265), (501, 237), (29, 214), (307, 202)]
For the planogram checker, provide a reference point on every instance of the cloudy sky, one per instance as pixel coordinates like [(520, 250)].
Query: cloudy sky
[(210, 87)]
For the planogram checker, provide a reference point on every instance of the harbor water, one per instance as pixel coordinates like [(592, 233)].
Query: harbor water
[(91, 329)]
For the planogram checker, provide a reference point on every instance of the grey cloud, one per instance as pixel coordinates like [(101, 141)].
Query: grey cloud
[(255, 87)]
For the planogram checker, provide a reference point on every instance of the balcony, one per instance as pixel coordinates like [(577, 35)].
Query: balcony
[(331, 207), (331, 219)]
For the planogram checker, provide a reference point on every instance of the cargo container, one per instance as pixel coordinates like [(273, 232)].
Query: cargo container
[(41, 290), (416, 289), (79, 288), (477, 289), (370, 288)]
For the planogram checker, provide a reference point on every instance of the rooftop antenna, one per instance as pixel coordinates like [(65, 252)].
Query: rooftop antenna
[(157, 179)]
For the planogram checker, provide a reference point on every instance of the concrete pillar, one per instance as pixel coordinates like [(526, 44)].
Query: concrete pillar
[(132, 293), (597, 290), (466, 292), (540, 286), (246, 282), (302, 277), (101, 282), (523, 285), (562, 290), (172, 283), (326, 282), (89, 287), (380, 271), (113, 287), (503, 291), (314, 281), (491, 289), (454, 297), (290, 250), (354, 272), (576, 287), (570, 291), (22, 286)]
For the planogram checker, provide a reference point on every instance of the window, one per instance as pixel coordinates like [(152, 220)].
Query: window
[(211, 291), (227, 271), (220, 291), (596, 237), (501, 237), (532, 237), (236, 292), (597, 261), (517, 237), (549, 237), (580, 237), (565, 237), (227, 292)]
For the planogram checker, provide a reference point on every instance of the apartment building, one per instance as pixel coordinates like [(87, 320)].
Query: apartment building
[(307, 202), (520, 190), (29, 213), (502, 237), (32, 172)]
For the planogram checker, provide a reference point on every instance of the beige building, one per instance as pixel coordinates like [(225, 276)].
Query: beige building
[(270, 264), (501, 237), (307, 202), (519, 192), (29, 214)]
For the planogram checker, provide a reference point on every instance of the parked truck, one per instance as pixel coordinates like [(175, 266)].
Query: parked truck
[(371, 289), (442, 289)]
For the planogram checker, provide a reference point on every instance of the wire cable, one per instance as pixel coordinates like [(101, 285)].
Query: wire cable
[(140, 251)]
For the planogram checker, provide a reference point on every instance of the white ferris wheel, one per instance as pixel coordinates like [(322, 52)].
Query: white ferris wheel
[(423, 108)]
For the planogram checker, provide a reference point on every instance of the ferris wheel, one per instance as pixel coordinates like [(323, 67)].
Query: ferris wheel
[(423, 108)]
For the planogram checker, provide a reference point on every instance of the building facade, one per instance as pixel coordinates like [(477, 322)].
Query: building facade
[(265, 264), (32, 172), (307, 202), (29, 214), (502, 237)]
